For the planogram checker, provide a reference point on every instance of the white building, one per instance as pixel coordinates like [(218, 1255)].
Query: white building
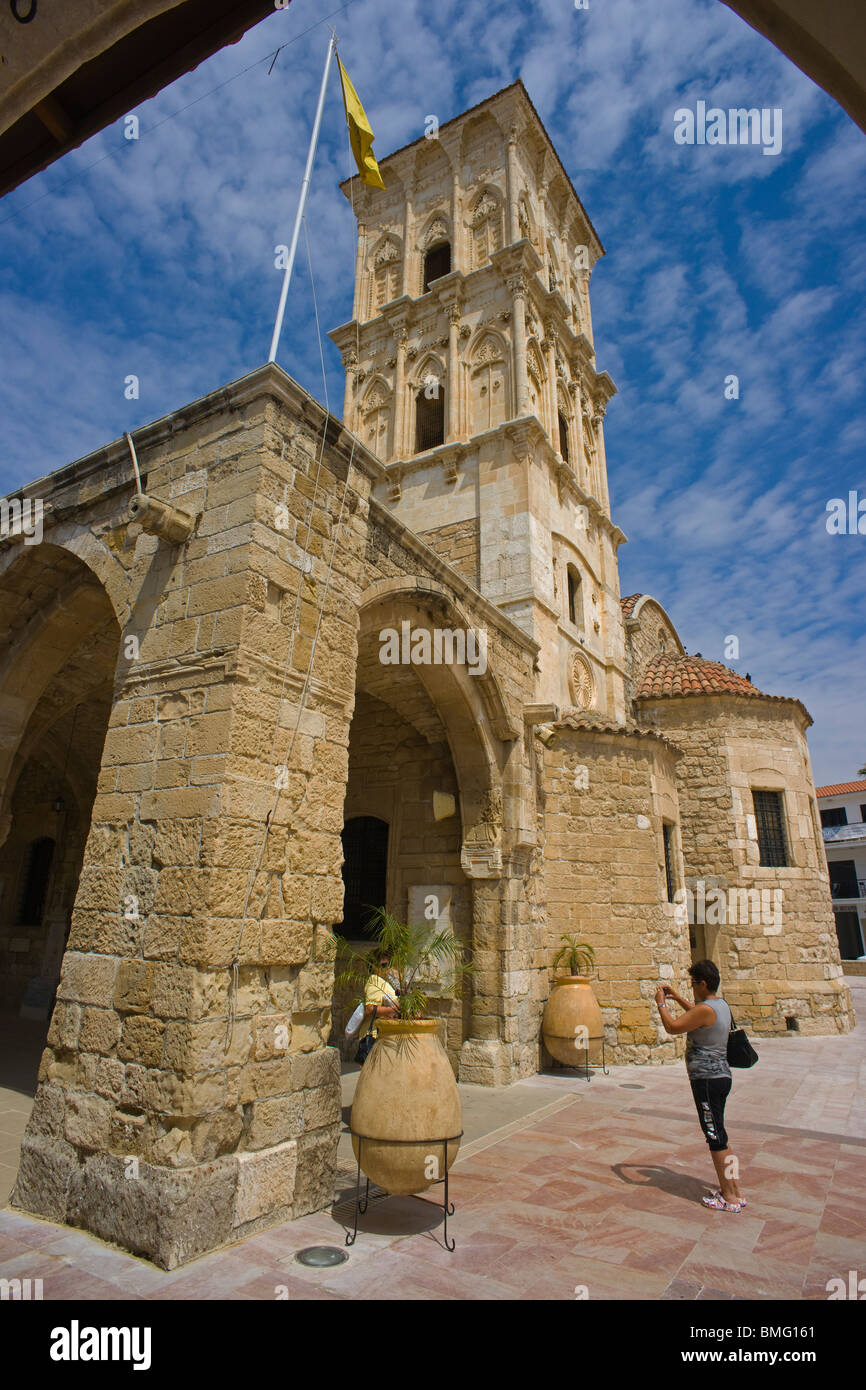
[(843, 822)]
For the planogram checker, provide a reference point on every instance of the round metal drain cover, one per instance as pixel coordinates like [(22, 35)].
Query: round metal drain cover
[(631, 1086), (321, 1256)]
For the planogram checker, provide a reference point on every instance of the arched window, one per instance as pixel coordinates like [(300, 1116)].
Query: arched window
[(376, 420), (365, 873), (386, 274), (489, 385), (429, 416), (437, 261), (563, 436), (36, 875), (575, 599), (486, 221)]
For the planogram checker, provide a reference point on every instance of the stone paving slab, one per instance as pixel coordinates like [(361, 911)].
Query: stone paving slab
[(571, 1189)]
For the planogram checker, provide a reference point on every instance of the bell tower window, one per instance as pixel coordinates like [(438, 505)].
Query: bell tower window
[(575, 604), (563, 436), (429, 419)]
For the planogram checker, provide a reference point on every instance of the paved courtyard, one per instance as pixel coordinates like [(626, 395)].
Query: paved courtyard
[(563, 1189)]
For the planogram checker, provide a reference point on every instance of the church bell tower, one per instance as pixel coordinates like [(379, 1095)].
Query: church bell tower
[(470, 373)]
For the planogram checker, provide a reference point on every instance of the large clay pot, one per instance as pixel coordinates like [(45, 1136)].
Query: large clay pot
[(572, 1007), (406, 1092)]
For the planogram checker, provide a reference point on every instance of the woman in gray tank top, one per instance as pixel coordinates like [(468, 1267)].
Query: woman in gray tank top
[(706, 1024)]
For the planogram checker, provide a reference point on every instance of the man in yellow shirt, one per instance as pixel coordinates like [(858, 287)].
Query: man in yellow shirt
[(379, 993)]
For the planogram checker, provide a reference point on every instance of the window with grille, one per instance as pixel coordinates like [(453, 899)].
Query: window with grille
[(429, 420), (670, 881), (365, 873), (436, 262), (563, 437), (834, 815), (770, 823), (38, 868)]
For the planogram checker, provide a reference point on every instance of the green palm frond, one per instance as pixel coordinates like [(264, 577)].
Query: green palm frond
[(579, 956)]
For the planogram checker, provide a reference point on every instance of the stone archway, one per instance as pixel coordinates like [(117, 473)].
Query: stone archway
[(450, 729), (59, 644)]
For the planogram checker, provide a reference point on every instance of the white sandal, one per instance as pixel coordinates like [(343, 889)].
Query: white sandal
[(718, 1193)]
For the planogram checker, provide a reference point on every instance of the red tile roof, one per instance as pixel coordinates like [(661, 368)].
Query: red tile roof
[(691, 675), (628, 604), (667, 677), (841, 789)]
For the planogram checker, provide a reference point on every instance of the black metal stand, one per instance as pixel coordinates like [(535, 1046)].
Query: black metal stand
[(587, 1074), (361, 1206)]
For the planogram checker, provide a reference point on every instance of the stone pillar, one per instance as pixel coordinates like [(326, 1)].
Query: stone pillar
[(350, 366), (512, 184), (517, 286), (187, 1094), (454, 383), (360, 278), (548, 347), (408, 254), (401, 335)]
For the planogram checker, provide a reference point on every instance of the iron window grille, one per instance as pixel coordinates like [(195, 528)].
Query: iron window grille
[(770, 825)]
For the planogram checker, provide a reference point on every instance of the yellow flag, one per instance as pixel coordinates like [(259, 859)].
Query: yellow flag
[(360, 135)]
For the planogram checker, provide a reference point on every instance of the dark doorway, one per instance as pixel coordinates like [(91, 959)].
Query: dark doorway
[(850, 935), (843, 879), (365, 873)]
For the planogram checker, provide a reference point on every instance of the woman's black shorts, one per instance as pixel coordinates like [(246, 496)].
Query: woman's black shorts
[(710, 1094)]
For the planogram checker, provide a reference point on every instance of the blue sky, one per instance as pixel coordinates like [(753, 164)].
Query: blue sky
[(155, 257)]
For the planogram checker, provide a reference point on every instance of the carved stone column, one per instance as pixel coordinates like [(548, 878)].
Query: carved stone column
[(401, 335), (350, 365), (359, 271), (408, 222), (511, 185), (517, 286), (548, 347), (454, 382)]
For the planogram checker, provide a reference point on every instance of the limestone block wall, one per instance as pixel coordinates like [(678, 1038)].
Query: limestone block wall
[(187, 1094), (781, 972), (604, 795), (457, 543)]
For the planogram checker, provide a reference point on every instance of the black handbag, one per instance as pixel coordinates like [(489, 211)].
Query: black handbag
[(740, 1050), (365, 1046)]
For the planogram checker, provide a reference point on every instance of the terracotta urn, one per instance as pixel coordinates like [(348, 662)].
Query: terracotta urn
[(572, 1021), (406, 1103)]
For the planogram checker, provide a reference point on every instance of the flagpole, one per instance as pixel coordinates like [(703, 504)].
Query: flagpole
[(284, 293)]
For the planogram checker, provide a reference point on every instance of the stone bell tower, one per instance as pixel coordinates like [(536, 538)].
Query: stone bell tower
[(470, 372)]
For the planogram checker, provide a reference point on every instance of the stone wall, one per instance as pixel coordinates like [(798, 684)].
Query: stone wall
[(779, 974), (457, 544), (604, 795), (187, 1093)]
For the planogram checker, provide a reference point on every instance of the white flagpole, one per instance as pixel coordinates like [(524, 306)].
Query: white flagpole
[(278, 326)]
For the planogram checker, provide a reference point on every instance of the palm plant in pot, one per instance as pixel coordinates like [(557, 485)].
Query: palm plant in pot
[(407, 1094), (572, 1022)]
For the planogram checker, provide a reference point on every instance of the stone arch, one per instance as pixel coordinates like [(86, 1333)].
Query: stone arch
[(376, 412), (385, 271), (42, 637), (472, 708), (537, 377), (57, 683), (490, 381), (484, 224)]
